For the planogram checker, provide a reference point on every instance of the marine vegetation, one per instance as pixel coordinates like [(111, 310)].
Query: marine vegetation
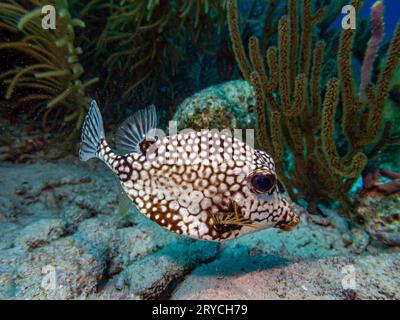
[(138, 51), (321, 135), (49, 67), (149, 48)]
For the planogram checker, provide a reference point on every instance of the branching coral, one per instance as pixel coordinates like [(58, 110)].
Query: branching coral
[(373, 46), (293, 122), (53, 74)]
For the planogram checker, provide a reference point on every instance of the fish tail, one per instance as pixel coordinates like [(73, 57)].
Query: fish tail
[(92, 134)]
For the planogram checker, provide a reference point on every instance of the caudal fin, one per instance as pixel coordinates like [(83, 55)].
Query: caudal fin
[(92, 133)]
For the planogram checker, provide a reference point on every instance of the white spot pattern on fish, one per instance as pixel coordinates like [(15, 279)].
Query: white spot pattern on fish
[(205, 185)]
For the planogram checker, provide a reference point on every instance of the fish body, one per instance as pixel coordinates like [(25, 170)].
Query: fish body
[(206, 185)]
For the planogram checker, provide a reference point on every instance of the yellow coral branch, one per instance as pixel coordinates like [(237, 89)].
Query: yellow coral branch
[(283, 39), (358, 162), (237, 44)]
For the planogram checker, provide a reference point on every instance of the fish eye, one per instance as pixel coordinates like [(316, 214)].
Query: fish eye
[(262, 182)]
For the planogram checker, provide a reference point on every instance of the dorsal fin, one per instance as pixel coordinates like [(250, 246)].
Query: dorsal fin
[(138, 128)]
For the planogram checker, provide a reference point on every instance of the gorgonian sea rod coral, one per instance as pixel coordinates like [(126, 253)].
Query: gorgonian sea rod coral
[(294, 122)]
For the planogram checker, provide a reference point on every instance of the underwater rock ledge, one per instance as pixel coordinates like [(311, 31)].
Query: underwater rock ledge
[(52, 217), (229, 105), (377, 277)]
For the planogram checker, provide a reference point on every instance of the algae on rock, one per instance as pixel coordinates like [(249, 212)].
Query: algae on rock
[(229, 105)]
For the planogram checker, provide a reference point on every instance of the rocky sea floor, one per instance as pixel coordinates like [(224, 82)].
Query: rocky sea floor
[(62, 237)]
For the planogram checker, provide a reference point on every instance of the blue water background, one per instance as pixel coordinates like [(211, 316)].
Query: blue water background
[(391, 15)]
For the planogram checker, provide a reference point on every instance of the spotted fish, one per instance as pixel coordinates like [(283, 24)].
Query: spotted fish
[(206, 185)]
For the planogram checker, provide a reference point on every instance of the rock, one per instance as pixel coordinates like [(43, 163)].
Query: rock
[(361, 240), (110, 292), (271, 277), (10, 259), (381, 219), (59, 225), (228, 105), (61, 270), (306, 240), (122, 244), (8, 234), (41, 232), (73, 216), (135, 243), (6, 285), (347, 239), (317, 219), (168, 264)]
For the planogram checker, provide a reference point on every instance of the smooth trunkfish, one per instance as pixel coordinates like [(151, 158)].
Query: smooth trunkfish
[(206, 185)]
